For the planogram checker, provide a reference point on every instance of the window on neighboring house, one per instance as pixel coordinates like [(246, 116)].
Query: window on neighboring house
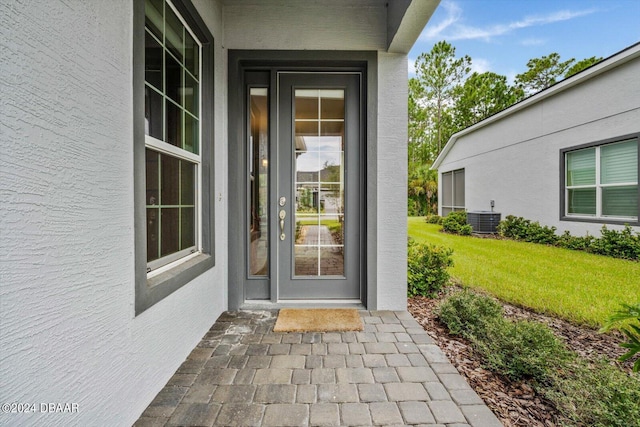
[(176, 147), (601, 182), (452, 191)]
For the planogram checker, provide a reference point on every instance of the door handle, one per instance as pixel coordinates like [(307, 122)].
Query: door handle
[(282, 215)]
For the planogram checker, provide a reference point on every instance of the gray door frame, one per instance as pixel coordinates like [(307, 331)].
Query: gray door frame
[(264, 291)]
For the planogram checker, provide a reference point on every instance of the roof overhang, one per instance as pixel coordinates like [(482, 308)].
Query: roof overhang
[(405, 21), (603, 66)]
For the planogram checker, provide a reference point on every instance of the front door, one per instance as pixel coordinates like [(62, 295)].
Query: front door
[(317, 206), (304, 224)]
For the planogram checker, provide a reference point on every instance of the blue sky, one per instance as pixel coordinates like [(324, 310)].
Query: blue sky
[(502, 35)]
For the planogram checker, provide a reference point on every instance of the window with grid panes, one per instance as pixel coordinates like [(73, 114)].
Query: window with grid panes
[(602, 181), (172, 135)]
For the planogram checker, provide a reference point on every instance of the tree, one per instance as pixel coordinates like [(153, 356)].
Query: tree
[(542, 73), (483, 95), (422, 191), (438, 74), (581, 65), (419, 152)]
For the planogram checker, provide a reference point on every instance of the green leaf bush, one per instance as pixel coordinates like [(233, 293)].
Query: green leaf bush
[(433, 219), (467, 314), (519, 228), (521, 349), (456, 223), (517, 350), (586, 393), (631, 330), (617, 244), (427, 268), (594, 394)]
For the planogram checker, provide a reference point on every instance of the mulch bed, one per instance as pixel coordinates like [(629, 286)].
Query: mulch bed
[(514, 403)]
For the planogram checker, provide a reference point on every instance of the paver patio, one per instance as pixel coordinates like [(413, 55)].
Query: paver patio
[(244, 374)]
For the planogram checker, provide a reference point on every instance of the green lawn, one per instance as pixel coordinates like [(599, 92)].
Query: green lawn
[(314, 221), (580, 287)]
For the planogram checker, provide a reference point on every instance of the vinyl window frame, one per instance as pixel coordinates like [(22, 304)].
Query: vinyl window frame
[(452, 207), (152, 288), (598, 217)]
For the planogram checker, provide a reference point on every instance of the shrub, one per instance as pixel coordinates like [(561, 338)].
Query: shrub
[(519, 228), (541, 234), (595, 394), (585, 393), (521, 349), (513, 227), (618, 244), (456, 223), (434, 219), (515, 349), (576, 243), (467, 314), (632, 331), (427, 268)]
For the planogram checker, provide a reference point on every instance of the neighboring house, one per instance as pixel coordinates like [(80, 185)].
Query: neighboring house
[(149, 151), (566, 156)]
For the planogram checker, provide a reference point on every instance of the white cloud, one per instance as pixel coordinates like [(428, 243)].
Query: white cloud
[(533, 42), (511, 76), (450, 28), (411, 64), (454, 12), (480, 65)]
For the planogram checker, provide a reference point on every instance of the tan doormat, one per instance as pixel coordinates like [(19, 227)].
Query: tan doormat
[(318, 320)]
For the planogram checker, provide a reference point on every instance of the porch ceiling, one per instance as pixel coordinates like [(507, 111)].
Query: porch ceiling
[(381, 25)]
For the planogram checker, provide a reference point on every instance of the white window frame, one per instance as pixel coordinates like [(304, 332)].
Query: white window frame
[(165, 263), (598, 185)]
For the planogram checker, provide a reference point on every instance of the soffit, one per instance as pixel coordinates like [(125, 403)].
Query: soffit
[(397, 23)]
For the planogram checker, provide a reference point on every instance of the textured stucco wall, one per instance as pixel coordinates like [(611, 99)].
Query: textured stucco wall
[(292, 24), (516, 161), (68, 333), (391, 194)]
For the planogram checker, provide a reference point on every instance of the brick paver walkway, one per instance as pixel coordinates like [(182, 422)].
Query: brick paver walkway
[(244, 374)]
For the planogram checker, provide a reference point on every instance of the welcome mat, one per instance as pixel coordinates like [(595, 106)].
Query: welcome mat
[(318, 320)]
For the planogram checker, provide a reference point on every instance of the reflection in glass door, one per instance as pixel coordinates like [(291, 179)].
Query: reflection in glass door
[(319, 182), (258, 151)]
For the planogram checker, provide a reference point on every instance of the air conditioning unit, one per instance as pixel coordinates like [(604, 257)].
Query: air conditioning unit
[(483, 221)]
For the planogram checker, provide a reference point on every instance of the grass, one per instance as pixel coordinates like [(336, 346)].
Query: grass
[(314, 221), (579, 287)]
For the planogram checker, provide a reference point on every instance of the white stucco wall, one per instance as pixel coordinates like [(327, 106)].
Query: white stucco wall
[(516, 160), (68, 333), (391, 257), (291, 24)]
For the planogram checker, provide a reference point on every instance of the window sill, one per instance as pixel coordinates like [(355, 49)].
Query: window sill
[(158, 287)]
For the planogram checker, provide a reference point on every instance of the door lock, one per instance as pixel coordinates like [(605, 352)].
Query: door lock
[(282, 201)]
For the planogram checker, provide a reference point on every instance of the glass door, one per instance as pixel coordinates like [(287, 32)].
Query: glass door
[(317, 211)]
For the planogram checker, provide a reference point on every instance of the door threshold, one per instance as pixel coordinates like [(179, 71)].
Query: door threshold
[(329, 303)]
